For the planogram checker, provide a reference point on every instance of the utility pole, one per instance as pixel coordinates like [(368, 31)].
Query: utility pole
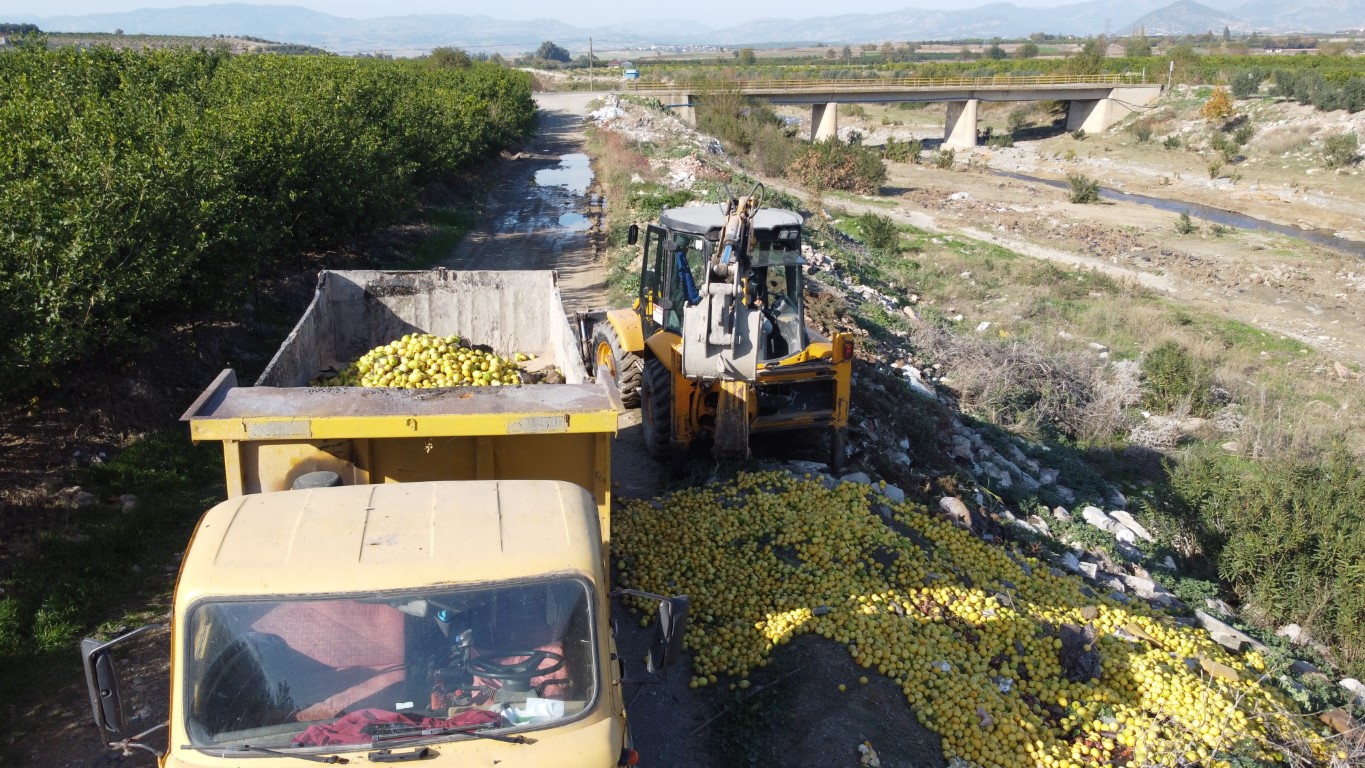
[(590, 87)]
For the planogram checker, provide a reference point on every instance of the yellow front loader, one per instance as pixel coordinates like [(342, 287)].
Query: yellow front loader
[(716, 345)]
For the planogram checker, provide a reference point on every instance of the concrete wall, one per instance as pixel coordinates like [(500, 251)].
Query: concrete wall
[(959, 130), (824, 121)]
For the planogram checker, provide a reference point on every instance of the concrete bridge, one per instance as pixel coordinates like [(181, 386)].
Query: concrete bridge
[(1094, 102)]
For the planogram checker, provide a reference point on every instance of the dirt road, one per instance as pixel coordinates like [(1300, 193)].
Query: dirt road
[(542, 210)]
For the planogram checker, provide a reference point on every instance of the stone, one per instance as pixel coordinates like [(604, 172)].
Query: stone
[(1356, 688), (1130, 552), (86, 499), (1339, 719), (1061, 514), (983, 326), (962, 447), (1168, 563), (1070, 562), (856, 477), (1040, 524), (1091, 570), (1221, 671), (1227, 636), (955, 509), (1097, 518), (1133, 525), (1124, 534), (893, 494), (1296, 634), (1219, 606), (809, 467), (127, 502), (1299, 668)]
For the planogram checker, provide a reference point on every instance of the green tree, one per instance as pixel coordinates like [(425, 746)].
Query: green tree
[(551, 52), (448, 58), (1026, 51), (1090, 59), (996, 53), (746, 56), (1137, 45)]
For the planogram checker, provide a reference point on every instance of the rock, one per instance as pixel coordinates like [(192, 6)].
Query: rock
[(856, 477), (1098, 347), (956, 510), (1133, 525), (1229, 637), (809, 467), (1124, 534), (1061, 514), (983, 326), (1091, 570), (1232, 446), (1048, 476), (86, 499), (1343, 372), (1221, 671), (1339, 720), (1097, 518), (893, 494), (1130, 552), (1040, 524), (1168, 563), (962, 447), (910, 312), (1070, 562), (1090, 613), (1299, 668), (127, 502), (1219, 606), (1356, 688), (1296, 634)]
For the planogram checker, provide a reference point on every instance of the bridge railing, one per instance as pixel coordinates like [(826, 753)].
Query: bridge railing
[(889, 83)]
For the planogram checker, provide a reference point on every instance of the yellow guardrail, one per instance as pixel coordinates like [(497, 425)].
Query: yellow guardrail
[(889, 83)]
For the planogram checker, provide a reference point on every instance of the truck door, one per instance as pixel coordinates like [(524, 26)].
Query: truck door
[(652, 278)]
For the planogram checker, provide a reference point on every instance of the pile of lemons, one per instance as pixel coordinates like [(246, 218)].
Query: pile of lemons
[(968, 630), (422, 360)]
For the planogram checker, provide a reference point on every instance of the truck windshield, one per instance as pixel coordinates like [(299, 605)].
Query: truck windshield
[(361, 669)]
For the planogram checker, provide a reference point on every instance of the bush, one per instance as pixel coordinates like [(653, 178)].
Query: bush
[(902, 151), (1002, 141), (1171, 142), (1243, 133), (1339, 149), (832, 164), (1172, 378), (1225, 147), (1286, 537), (1078, 134), (1018, 119), (1247, 83), (1219, 106), (1185, 225), (1084, 190), (880, 232), (944, 159), (1215, 167)]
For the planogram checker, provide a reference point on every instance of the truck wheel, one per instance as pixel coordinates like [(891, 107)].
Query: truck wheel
[(607, 350), (656, 409)]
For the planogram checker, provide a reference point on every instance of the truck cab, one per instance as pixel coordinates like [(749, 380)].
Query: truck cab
[(454, 622)]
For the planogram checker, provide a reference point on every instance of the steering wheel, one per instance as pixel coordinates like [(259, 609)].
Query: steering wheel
[(518, 673)]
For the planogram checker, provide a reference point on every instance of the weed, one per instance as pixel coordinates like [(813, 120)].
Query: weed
[(880, 232), (1171, 142), (1084, 190), (1339, 149), (1215, 167), (944, 159), (1172, 378), (1243, 133), (1078, 134), (1185, 225), (1219, 230)]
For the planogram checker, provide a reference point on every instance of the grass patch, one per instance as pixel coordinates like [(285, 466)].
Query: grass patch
[(105, 562)]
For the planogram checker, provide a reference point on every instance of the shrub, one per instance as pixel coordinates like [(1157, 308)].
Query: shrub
[(880, 232), (1084, 190), (1171, 142), (1285, 536), (1219, 106), (1215, 167), (1185, 225), (1002, 141), (1018, 119), (1078, 134), (1172, 378), (1225, 147), (832, 164), (1339, 149), (1243, 133), (902, 151), (944, 159), (1142, 132)]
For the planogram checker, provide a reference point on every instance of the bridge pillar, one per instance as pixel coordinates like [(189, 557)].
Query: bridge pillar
[(1096, 116), (824, 121), (682, 105), (959, 132)]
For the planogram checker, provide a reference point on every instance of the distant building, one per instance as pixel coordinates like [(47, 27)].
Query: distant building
[(632, 74)]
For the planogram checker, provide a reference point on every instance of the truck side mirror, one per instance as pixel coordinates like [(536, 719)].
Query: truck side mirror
[(101, 679), (633, 234), (667, 644), (106, 702)]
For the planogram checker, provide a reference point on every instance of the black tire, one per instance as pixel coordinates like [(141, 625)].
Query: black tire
[(656, 409), (838, 449), (625, 366)]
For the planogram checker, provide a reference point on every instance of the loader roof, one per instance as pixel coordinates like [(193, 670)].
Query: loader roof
[(706, 220)]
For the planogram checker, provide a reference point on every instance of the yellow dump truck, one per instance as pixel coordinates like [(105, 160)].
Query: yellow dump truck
[(400, 574)]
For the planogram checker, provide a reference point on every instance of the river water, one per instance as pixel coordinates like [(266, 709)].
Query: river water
[(1322, 237)]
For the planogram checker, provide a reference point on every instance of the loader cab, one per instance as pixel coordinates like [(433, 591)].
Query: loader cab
[(680, 246)]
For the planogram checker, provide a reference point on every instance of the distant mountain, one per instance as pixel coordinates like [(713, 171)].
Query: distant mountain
[(412, 35), (1187, 17)]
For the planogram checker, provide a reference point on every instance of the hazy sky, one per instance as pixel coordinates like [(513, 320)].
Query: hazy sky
[(718, 13)]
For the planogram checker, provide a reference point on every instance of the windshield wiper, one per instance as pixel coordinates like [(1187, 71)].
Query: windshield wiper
[(479, 731), (249, 749)]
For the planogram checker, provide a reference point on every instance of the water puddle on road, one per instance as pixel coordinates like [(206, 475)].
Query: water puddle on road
[(573, 172), (574, 222)]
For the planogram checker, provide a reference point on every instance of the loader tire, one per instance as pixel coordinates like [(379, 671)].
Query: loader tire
[(656, 409), (624, 366)]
